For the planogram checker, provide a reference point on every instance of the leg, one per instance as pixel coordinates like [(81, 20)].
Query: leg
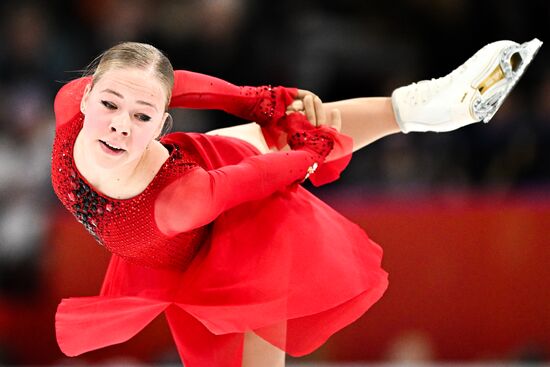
[(197, 346), (258, 352), (365, 119)]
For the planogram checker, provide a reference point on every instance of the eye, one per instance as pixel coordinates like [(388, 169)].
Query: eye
[(108, 105), (143, 117)]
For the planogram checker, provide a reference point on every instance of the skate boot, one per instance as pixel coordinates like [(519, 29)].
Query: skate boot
[(471, 93)]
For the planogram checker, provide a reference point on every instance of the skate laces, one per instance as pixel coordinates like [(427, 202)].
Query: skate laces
[(421, 92)]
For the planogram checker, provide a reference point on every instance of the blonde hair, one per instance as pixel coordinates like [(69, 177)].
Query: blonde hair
[(140, 56), (135, 55)]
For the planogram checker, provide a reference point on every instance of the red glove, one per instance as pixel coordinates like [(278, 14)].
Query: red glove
[(316, 141), (331, 149)]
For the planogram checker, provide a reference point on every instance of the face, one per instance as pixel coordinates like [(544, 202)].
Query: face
[(124, 112)]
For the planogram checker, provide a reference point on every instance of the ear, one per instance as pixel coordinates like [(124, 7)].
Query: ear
[(85, 96), (166, 123)]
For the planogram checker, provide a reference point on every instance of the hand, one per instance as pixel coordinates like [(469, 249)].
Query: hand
[(309, 105), (296, 121), (319, 143), (318, 140)]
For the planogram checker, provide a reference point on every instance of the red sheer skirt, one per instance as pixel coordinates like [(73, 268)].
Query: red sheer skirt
[(288, 267)]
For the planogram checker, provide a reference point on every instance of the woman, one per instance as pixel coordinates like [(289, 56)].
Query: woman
[(215, 231)]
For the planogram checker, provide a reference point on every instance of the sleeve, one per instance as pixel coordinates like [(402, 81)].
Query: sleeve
[(265, 104), (67, 101), (200, 196)]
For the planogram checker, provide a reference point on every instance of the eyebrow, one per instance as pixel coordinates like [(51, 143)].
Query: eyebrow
[(122, 97)]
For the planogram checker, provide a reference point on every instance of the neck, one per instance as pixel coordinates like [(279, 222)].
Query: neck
[(121, 176), (104, 178), (124, 181)]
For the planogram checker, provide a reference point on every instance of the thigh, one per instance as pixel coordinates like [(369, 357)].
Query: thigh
[(258, 352)]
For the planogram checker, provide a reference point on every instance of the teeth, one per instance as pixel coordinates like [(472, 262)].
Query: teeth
[(112, 146)]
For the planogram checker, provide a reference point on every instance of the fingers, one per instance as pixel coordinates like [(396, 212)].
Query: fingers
[(314, 110), (310, 105), (296, 106), (335, 120), (309, 109), (319, 111), (302, 93)]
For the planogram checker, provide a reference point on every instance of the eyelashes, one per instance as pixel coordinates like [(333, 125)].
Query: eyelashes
[(140, 116), (108, 105)]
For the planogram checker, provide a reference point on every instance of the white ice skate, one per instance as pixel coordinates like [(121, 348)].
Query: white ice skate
[(471, 93)]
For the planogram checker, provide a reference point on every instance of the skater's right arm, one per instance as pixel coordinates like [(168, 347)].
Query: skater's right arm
[(200, 195)]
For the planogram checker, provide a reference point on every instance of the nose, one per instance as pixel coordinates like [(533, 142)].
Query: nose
[(120, 124)]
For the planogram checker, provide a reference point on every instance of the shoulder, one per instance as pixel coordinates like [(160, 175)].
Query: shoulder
[(67, 100)]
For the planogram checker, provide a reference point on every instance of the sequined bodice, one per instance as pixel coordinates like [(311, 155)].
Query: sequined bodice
[(126, 227)]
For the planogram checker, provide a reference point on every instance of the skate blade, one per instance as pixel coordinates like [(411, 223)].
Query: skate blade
[(495, 87)]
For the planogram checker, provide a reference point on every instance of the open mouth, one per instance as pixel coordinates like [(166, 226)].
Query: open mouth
[(111, 147)]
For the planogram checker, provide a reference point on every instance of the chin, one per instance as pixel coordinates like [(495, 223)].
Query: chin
[(108, 163), (105, 161)]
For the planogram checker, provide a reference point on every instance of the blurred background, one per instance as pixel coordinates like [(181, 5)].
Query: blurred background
[(463, 217)]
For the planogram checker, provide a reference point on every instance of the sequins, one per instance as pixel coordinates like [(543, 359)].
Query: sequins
[(266, 105), (89, 207), (125, 227), (312, 140)]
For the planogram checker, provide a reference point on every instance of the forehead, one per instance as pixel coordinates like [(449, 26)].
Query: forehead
[(133, 83)]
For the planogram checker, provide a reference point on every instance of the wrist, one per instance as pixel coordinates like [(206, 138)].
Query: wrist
[(270, 103)]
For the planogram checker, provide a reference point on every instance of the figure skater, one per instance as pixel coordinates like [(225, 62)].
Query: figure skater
[(214, 230)]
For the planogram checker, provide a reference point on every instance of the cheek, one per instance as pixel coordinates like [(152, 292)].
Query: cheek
[(142, 135), (95, 122), (92, 128), (151, 130), (142, 139)]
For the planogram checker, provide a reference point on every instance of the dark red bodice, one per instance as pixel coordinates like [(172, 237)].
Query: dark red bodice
[(125, 227)]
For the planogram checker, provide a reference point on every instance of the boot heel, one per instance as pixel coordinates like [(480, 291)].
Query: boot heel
[(496, 75)]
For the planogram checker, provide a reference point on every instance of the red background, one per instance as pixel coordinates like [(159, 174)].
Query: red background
[(468, 272)]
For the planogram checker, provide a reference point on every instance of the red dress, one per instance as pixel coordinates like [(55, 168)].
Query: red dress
[(260, 253)]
